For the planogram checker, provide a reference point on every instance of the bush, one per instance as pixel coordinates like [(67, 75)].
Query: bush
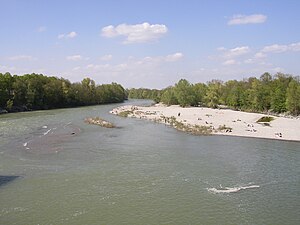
[(125, 113), (100, 122), (225, 128), (265, 119)]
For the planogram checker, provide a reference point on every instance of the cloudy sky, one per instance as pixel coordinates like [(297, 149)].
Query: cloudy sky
[(150, 44)]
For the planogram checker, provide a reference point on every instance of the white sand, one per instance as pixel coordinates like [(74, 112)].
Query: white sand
[(242, 123)]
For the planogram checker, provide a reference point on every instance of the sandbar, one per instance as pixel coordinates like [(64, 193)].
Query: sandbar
[(220, 121)]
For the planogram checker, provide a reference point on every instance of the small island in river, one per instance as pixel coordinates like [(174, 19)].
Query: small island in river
[(100, 122)]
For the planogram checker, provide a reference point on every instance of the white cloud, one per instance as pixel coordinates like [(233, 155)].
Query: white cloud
[(269, 49), (22, 70), (260, 55), (295, 47), (121, 67), (72, 34), (250, 19), (275, 48), (7, 68), (174, 57), (234, 52), (161, 59), (22, 57), (76, 68), (106, 58), (97, 67), (134, 63), (131, 71), (74, 57), (109, 31), (281, 48), (257, 58), (229, 62), (238, 51), (265, 63), (41, 29), (249, 61), (138, 33)]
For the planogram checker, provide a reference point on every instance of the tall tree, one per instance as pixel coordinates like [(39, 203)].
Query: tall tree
[(53, 93), (278, 92), (200, 92), (212, 97), (293, 97), (168, 97), (184, 93), (6, 89)]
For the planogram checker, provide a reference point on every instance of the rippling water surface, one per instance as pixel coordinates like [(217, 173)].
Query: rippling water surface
[(55, 169)]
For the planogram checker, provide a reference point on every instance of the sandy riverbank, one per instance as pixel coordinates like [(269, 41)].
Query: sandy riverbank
[(216, 121)]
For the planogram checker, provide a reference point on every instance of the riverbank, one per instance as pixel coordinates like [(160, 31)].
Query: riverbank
[(207, 121)]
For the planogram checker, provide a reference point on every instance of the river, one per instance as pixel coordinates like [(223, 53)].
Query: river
[(56, 169)]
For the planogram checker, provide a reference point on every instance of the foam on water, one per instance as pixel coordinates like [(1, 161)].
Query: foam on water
[(48, 139), (47, 131), (231, 190)]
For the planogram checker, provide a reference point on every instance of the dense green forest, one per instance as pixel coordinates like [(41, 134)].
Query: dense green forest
[(36, 91), (279, 93)]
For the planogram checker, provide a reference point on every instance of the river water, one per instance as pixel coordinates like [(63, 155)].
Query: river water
[(55, 169)]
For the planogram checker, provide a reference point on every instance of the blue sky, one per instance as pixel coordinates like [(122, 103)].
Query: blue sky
[(150, 43)]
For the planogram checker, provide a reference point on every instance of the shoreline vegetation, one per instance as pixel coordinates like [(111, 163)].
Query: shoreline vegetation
[(208, 121), (100, 122), (265, 107), (273, 95), (38, 92), (268, 107)]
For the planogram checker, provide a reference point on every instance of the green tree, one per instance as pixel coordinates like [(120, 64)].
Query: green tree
[(6, 90), (232, 94), (212, 97), (264, 92), (184, 93), (293, 97), (278, 92), (20, 90), (200, 93), (53, 93), (168, 96)]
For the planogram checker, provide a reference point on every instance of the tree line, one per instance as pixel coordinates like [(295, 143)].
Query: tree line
[(36, 91), (279, 93)]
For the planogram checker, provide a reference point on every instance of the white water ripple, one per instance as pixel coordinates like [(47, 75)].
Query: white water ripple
[(47, 131), (231, 190)]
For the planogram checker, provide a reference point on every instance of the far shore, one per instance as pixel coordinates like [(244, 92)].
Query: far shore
[(207, 121)]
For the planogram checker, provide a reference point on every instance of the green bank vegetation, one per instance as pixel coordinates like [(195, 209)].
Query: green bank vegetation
[(100, 122), (225, 128), (265, 119), (36, 91), (275, 94), (193, 129), (125, 113)]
